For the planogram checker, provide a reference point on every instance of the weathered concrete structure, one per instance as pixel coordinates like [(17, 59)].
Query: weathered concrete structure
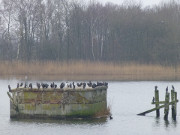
[(57, 103)]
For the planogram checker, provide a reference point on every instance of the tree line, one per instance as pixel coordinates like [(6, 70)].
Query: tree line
[(64, 30)]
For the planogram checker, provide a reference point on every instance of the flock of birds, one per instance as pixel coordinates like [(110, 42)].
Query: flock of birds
[(63, 85)]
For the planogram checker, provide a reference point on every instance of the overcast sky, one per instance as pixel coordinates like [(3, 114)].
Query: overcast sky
[(144, 2)]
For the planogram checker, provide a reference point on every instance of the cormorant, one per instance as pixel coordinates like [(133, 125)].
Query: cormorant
[(94, 85), (25, 85), (46, 85), (62, 85), (84, 85), (30, 85), (70, 85), (99, 84), (89, 84), (52, 85), (21, 84), (155, 87), (79, 84), (38, 85), (106, 84), (153, 100), (73, 85), (9, 87), (167, 89)]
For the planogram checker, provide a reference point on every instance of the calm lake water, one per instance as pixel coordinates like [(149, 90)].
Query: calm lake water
[(126, 100)]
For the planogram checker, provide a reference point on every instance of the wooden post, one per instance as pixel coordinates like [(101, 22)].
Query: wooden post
[(166, 108), (172, 100), (175, 106), (157, 101)]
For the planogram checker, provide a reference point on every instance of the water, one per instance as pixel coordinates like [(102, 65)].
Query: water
[(126, 100)]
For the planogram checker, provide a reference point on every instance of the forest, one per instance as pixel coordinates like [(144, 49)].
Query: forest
[(64, 30)]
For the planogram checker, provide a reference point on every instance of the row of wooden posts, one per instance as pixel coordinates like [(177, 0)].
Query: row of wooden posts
[(165, 104)]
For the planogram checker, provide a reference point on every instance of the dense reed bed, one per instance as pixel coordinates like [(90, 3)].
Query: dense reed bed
[(81, 70)]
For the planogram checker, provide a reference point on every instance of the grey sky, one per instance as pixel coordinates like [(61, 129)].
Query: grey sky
[(144, 2)]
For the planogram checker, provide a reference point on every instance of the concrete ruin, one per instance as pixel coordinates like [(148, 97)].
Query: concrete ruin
[(57, 103)]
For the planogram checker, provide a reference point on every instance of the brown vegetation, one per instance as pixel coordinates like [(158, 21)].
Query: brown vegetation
[(81, 70), (104, 113)]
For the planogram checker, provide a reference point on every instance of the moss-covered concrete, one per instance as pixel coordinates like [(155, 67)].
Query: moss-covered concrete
[(57, 103)]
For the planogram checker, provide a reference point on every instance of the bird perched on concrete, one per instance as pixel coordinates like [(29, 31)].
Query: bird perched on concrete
[(73, 85), (9, 87), (38, 85), (84, 85), (62, 85), (173, 87), (70, 85), (89, 84), (17, 85), (25, 85), (46, 85), (52, 85), (30, 85), (106, 84), (79, 84), (21, 84), (94, 85)]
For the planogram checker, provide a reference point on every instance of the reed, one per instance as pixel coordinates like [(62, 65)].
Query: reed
[(86, 70), (104, 113)]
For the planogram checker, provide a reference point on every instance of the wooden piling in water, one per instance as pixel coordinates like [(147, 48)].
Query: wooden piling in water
[(174, 106), (157, 101), (166, 108), (165, 103)]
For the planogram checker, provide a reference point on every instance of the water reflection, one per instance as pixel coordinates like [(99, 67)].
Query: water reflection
[(167, 123), (98, 121)]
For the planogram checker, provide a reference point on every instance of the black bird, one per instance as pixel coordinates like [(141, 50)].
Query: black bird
[(173, 87), (43, 85), (17, 85), (25, 85), (153, 100), (30, 85), (89, 84), (167, 89), (84, 85), (62, 85), (9, 87), (106, 84), (38, 85), (70, 85), (55, 86), (46, 85), (155, 87), (21, 84), (99, 84), (110, 117), (73, 85), (79, 84), (94, 85), (52, 85)]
